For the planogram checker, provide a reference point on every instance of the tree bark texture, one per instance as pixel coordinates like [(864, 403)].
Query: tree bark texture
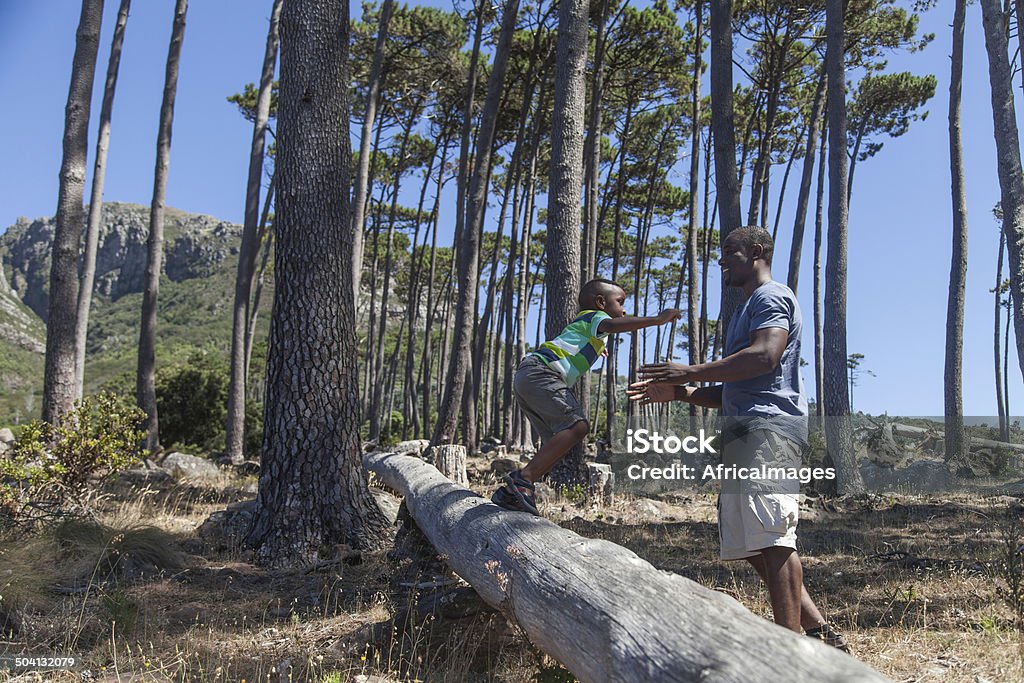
[(313, 493), (954, 404), (598, 608), (99, 175), (146, 377), (249, 250), (562, 248), (59, 379), (838, 428), (1011, 182)]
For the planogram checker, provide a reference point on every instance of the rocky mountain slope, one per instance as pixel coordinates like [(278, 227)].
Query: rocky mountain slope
[(200, 258)]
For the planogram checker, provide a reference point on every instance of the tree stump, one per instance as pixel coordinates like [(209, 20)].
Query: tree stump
[(450, 459), (602, 482)]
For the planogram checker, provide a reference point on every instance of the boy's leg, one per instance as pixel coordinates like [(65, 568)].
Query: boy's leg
[(553, 450)]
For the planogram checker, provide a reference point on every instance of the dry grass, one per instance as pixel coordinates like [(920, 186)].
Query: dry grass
[(137, 594)]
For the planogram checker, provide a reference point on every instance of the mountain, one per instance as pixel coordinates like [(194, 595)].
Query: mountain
[(196, 291)]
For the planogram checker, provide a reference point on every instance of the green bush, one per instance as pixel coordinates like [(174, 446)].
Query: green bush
[(192, 401), (51, 467)]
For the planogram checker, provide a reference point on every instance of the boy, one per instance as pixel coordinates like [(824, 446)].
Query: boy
[(544, 376)]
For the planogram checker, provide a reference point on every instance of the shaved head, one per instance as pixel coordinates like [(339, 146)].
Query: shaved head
[(595, 288)]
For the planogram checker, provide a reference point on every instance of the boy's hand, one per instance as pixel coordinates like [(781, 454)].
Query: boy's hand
[(672, 373), (668, 315), (646, 392)]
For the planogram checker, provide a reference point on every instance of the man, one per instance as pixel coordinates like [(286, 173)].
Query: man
[(762, 398)]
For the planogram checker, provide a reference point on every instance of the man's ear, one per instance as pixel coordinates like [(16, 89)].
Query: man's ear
[(756, 251)]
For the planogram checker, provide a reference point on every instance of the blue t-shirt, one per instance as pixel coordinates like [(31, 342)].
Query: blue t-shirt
[(775, 400)]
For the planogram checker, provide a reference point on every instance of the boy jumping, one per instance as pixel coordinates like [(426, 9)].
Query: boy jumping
[(544, 376)]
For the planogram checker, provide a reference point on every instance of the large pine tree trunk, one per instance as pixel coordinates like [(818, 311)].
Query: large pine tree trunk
[(313, 492), (562, 248), (838, 428), (99, 175), (249, 250), (694, 342), (1011, 181), (59, 380), (724, 126), (363, 170), (954, 406), (465, 314), (146, 376)]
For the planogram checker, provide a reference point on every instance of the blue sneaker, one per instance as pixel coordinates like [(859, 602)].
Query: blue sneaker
[(516, 495)]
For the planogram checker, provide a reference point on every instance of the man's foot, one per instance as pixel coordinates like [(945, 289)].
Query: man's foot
[(516, 494), (829, 635)]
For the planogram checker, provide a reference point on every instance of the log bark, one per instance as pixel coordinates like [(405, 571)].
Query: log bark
[(599, 609)]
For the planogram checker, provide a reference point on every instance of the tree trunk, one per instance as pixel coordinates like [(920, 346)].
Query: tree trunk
[(597, 608), (805, 184), (363, 170), (249, 250), (954, 406), (146, 378), (96, 199), (692, 302), (592, 152), (562, 247), (1000, 406), (266, 241), (465, 314), (723, 126), (838, 429), (1011, 182), (59, 381), (313, 492), (819, 338)]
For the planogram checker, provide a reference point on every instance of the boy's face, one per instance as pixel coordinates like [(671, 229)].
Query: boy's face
[(614, 302)]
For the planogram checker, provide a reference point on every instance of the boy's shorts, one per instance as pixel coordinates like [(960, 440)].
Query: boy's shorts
[(544, 398), (757, 514)]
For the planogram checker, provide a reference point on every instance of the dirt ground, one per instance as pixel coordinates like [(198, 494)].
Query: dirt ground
[(917, 584)]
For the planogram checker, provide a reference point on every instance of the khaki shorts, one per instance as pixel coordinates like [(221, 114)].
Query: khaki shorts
[(756, 515), (750, 522)]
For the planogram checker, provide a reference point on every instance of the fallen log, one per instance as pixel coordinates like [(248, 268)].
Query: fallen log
[(599, 609), (975, 442)]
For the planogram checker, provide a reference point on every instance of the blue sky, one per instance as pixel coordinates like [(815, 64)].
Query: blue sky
[(900, 221)]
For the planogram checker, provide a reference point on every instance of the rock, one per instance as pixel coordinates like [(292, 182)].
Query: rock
[(502, 466), (388, 504), (7, 436), (227, 528), (412, 447), (923, 476), (184, 466), (647, 507)]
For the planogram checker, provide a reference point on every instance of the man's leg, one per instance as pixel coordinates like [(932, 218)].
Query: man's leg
[(784, 576), (810, 615), (553, 450)]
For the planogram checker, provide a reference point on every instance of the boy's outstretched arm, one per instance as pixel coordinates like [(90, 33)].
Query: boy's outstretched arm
[(631, 323)]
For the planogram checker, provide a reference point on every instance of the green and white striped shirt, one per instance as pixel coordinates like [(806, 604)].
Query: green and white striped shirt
[(577, 348)]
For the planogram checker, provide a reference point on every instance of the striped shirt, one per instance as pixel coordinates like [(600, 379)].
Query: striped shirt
[(577, 348)]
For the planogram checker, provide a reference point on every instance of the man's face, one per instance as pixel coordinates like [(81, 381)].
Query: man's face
[(737, 262), (615, 302)]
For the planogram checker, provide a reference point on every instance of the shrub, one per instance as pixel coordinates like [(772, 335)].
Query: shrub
[(52, 467), (192, 400)]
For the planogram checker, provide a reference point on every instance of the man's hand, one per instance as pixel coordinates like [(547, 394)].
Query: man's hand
[(671, 373), (668, 315), (647, 392)]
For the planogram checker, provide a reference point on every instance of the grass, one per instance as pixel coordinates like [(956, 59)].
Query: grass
[(139, 593)]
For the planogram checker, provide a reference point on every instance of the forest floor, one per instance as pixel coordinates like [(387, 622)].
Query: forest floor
[(141, 593)]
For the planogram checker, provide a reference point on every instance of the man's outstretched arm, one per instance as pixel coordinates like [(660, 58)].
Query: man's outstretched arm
[(761, 357)]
